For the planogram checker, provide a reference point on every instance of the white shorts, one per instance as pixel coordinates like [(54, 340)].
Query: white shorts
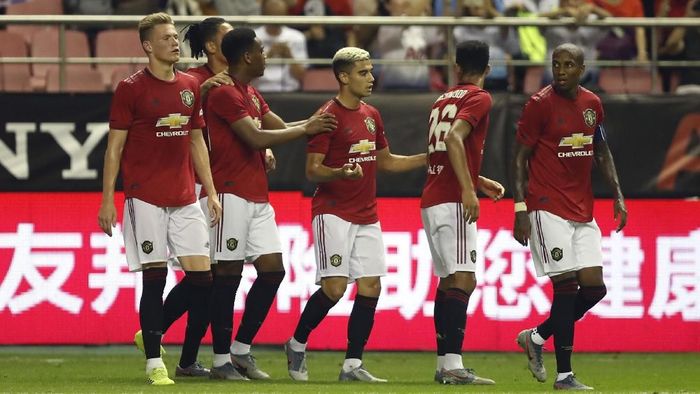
[(347, 249), (152, 234), (246, 231), (451, 239), (559, 245)]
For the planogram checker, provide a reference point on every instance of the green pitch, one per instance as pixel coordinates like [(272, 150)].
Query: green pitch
[(120, 369)]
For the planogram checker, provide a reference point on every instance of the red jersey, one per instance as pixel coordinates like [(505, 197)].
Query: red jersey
[(560, 131), (156, 163), (202, 73), (236, 167), (359, 134), (471, 104)]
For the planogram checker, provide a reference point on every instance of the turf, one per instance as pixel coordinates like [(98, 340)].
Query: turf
[(120, 369)]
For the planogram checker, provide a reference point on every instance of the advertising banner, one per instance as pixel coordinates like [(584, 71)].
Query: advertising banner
[(61, 147), (63, 281)]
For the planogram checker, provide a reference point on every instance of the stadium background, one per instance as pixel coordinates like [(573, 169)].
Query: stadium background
[(58, 271)]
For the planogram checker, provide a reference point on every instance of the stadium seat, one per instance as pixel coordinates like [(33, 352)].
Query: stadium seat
[(319, 80), (533, 79), (625, 80), (45, 44), (14, 77), (77, 81), (638, 80), (120, 73), (118, 43), (33, 7)]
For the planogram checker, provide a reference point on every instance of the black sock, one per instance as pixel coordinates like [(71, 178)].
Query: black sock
[(562, 317), (360, 325), (456, 302), (175, 304), (315, 310), (223, 295), (586, 298), (151, 310), (439, 318), (257, 304), (199, 283)]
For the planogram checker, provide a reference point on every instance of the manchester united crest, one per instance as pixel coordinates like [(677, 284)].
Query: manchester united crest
[(187, 97), (231, 244), (589, 117), (557, 254), (147, 247), (336, 260), (371, 126), (256, 102)]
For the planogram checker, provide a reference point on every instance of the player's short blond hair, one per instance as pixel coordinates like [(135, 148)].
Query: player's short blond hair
[(150, 21), (345, 58)]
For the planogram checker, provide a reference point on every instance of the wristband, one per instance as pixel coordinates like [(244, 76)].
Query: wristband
[(520, 207)]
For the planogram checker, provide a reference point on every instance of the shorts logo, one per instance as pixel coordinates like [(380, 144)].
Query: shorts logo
[(557, 254), (472, 255), (371, 126), (147, 247), (589, 117), (187, 97), (231, 244), (336, 260)]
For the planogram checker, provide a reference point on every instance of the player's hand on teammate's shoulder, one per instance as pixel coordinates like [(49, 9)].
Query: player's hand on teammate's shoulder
[(107, 217), (215, 210), (620, 211), (320, 123), (219, 79), (352, 171)]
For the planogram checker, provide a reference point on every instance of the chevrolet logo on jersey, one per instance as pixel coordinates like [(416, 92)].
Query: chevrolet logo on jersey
[(363, 147), (576, 140), (174, 121)]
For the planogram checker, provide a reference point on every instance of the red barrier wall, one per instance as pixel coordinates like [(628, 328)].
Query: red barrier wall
[(62, 281)]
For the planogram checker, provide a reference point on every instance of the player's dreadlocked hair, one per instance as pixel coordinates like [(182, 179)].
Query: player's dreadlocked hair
[(345, 58), (472, 56), (199, 33), (150, 21), (237, 42)]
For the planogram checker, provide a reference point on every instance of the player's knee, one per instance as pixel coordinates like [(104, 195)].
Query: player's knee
[(369, 287), (593, 293), (229, 268), (565, 285), (334, 287), (273, 278), (335, 293), (466, 281)]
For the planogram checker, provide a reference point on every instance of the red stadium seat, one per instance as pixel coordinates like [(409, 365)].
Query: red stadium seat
[(14, 77), (33, 7), (120, 73), (45, 44), (77, 81), (118, 43), (319, 80), (625, 80)]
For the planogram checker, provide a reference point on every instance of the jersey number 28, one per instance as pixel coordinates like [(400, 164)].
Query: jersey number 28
[(440, 124)]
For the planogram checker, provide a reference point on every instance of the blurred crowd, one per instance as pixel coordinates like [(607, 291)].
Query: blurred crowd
[(417, 42)]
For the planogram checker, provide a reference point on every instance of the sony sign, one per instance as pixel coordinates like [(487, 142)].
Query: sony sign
[(17, 162)]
